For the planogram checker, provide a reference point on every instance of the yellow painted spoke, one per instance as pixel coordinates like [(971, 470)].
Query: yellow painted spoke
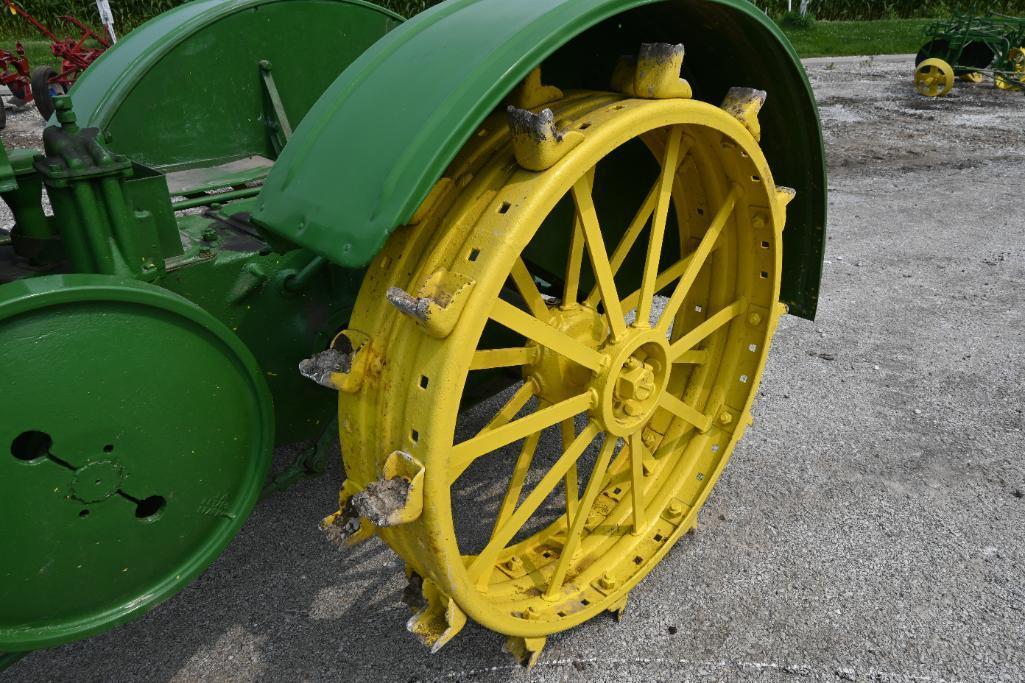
[(466, 452), (544, 334), (634, 230), (588, 217), (528, 290), (572, 484), (692, 357), (575, 260), (664, 278), (519, 475), (511, 407), (637, 451), (482, 566), (705, 329), (629, 238), (698, 259), (594, 487), (658, 228), (486, 359), (685, 412)]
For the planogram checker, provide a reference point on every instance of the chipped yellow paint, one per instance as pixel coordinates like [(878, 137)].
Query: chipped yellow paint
[(644, 399)]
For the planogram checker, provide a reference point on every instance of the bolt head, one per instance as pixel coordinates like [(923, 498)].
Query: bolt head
[(754, 319), (607, 581), (725, 418)]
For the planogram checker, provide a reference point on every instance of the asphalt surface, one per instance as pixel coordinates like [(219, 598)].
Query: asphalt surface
[(869, 526)]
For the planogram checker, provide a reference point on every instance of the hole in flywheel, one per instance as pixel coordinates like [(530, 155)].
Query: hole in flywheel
[(148, 508), (83, 514), (109, 448), (31, 445)]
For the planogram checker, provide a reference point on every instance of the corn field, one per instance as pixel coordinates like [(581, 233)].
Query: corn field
[(130, 13), (837, 10)]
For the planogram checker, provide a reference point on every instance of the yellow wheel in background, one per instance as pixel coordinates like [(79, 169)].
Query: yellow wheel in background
[(971, 77), (545, 506), (1016, 58), (934, 77)]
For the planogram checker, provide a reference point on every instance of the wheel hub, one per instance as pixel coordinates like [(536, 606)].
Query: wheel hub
[(637, 375), (556, 376)]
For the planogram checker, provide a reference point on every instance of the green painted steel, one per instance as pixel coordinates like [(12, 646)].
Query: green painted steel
[(380, 137), (135, 442), (235, 278), (184, 89)]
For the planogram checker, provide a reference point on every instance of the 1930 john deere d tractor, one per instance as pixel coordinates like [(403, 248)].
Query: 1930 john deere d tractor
[(528, 199)]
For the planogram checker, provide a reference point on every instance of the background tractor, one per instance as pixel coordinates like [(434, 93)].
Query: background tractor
[(547, 200)]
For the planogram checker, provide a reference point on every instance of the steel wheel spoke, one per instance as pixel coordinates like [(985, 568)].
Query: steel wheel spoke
[(629, 238), (482, 566), (704, 330), (465, 453), (594, 487), (528, 290), (575, 260), (511, 407), (668, 275), (588, 217), (658, 229), (544, 334), (698, 259), (626, 242), (637, 451), (519, 475), (488, 359), (685, 412), (692, 357), (572, 483)]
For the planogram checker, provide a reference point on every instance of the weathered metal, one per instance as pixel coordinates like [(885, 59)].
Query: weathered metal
[(403, 110), (201, 246), (971, 46)]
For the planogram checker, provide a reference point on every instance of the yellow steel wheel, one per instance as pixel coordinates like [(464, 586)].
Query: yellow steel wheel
[(1016, 59), (971, 77), (622, 407), (934, 77)]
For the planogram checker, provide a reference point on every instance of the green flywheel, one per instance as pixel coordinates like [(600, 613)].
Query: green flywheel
[(135, 436)]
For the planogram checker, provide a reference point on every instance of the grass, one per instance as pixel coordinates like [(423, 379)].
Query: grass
[(837, 38), (823, 38)]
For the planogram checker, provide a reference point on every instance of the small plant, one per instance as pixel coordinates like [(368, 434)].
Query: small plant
[(797, 21)]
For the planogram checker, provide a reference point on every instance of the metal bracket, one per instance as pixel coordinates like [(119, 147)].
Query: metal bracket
[(312, 462), (654, 74), (398, 496), (537, 142), (276, 118), (744, 104), (525, 650), (437, 304), (439, 621)]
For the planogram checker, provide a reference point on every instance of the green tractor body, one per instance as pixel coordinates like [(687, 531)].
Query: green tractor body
[(216, 185)]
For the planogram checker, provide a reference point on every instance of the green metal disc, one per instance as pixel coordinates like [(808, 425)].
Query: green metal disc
[(135, 437)]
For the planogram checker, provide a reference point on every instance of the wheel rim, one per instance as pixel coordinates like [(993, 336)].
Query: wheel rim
[(934, 78), (588, 372)]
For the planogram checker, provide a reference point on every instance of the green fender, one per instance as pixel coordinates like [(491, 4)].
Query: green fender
[(379, 138), (184, 89)]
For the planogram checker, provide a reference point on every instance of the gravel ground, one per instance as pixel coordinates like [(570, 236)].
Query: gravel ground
[(869, 526)]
